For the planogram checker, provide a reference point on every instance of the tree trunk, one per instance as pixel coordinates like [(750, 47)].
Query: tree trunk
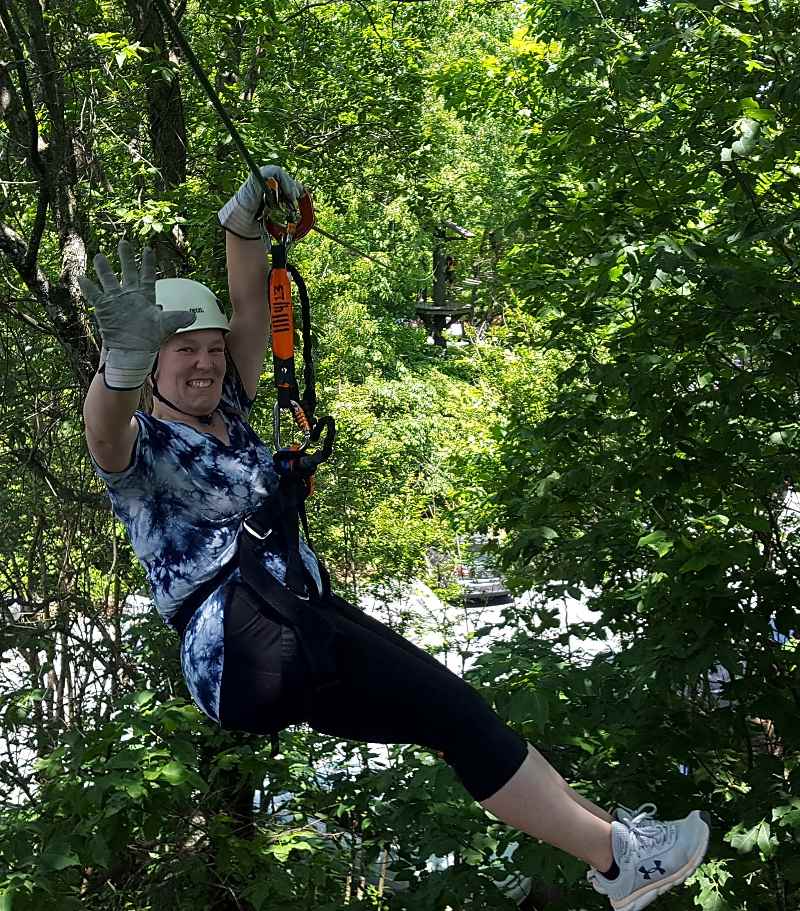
[(51, 160), (166, 125)]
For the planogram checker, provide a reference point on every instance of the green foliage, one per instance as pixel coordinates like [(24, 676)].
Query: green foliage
[(104, 799), (660, 191), (622, 421)]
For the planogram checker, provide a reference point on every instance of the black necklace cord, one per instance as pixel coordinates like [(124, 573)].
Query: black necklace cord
[(206, 419)]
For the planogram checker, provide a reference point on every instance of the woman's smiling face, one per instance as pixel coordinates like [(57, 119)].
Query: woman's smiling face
[(191, 368)]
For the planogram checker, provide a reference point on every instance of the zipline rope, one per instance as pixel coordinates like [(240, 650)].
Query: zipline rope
[(169, 19)]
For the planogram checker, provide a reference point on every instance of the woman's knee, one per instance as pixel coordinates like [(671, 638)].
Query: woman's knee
[(484, 752)]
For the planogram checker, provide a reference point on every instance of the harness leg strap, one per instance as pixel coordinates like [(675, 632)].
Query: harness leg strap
[(310, 619)]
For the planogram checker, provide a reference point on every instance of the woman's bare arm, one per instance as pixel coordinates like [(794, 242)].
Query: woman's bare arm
[(247, 283), (111, 428)]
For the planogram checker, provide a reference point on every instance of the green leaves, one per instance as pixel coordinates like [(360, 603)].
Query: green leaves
[(658, 541), (172, 772), (661, 459), (529, 706), (119, 46), (759, 836), (712, 879), (58, 855), (303, 841), (99, 851)]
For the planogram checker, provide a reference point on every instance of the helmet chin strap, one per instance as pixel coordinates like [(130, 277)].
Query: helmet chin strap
[(202, 418)]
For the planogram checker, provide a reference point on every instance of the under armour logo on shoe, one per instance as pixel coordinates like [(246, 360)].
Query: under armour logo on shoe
[(656, 869)]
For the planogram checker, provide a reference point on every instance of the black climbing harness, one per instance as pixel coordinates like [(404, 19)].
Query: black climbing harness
[(275, 526)]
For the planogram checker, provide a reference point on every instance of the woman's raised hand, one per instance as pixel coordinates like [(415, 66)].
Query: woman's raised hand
[(241, 213), (132, 325)]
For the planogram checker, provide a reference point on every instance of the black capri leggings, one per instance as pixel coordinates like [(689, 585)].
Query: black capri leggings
[(387, 691)]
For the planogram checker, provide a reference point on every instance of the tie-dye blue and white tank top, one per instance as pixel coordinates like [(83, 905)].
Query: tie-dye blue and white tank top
[(182, 500)]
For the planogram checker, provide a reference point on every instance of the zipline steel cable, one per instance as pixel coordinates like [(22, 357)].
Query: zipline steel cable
[(170, 21)]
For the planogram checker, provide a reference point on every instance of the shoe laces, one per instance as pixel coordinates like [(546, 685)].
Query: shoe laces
[(645, 831), (646, 808)]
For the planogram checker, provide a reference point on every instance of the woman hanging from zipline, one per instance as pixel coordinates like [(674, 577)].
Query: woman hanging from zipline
[(185, 477)]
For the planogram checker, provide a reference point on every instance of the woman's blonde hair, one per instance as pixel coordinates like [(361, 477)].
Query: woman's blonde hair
[(146, 397)]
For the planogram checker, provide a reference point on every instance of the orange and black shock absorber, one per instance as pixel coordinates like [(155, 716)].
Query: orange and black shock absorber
[(296, 458), (282, 320)]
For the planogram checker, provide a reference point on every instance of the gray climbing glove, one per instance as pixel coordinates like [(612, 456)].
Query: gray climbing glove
[(133, 326), (240, 214)]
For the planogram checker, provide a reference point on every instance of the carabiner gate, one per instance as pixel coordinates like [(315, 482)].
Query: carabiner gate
[(300, 420)]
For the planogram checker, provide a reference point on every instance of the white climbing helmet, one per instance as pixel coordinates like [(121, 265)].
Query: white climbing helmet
[(185, 294)]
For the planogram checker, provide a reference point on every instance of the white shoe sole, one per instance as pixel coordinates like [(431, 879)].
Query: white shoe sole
[(647, 894)]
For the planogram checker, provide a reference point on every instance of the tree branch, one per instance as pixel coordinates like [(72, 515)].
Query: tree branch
[(777, 244), (28, 320), (39, 224), (30, 460), (307, 7), (10, 109), (57, 301), (6, 16), (17, 252)]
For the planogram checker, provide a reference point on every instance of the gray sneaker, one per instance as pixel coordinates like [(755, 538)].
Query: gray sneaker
[(652, 857)]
